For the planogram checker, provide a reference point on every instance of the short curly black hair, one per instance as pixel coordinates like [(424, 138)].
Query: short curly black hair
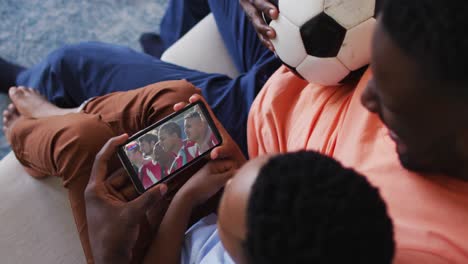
[(148, 138), (306, 208), (434, 34)]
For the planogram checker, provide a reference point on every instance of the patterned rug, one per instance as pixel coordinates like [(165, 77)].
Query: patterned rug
[(30, 29)]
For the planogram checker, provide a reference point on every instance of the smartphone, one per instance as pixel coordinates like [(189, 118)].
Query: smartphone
[(161, 151)]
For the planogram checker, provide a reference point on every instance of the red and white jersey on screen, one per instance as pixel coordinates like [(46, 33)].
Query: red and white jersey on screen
[(210, 142), (150, 173), (186, 153)]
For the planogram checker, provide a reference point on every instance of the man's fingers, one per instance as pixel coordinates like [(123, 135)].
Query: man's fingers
[(267, 7), (129, 192), (195, 98), (257, 11), (266, 42), (253, 13), (222, 178), (179, 106), (215, 153), (220, 166), (221, 152), (149, 198), (99, 172), (119, 179)]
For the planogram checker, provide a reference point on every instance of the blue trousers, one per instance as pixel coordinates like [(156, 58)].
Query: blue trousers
[(74, 73)]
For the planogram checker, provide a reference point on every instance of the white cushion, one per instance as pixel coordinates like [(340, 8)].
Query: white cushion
[(202, 48), (37, 225)]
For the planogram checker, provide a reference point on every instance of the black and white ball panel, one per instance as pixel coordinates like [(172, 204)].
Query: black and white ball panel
[(300, 11), (355, 50), (322, 36), (325, 71), (288, 42), (349, 13)]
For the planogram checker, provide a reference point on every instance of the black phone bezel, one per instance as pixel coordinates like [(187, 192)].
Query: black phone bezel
[(128, 165)]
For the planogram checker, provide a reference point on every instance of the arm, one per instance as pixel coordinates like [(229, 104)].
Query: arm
[(113, 224), (167, 245)]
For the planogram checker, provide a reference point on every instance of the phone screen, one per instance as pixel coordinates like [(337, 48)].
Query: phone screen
[(162, 150)]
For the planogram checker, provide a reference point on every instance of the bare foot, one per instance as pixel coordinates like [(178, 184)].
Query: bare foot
[(30, 103), (10, 117)]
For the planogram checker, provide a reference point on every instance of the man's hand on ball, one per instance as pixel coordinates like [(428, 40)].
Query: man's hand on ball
[(254, 9)]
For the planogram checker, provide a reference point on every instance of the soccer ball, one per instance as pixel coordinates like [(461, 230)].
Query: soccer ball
[(324, 41)]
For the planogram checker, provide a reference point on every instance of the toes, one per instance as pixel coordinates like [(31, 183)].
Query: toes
[(6, 114), (12, 108), (14, 92), (6, 120), (33, 90), (22, 90), (10, 113)]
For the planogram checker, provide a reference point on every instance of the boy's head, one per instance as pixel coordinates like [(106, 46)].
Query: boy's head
[(303, 208), (420, 83)]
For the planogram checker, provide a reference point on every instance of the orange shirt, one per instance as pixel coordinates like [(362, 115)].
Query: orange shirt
[(430, 213)]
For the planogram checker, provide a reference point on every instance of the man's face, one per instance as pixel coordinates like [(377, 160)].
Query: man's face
[(168, 141), (194, 129), (147, 147), (232, 212), (422, 125), (160, 155)]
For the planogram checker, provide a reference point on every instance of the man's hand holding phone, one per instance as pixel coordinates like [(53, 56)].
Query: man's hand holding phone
[(206, 182), (113, 224)]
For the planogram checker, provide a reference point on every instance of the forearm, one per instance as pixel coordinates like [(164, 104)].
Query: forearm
[(112, 259), (167, 245)]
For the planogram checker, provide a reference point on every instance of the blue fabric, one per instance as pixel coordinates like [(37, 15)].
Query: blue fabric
[(74, 73), (180, 17), (202, 244)]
